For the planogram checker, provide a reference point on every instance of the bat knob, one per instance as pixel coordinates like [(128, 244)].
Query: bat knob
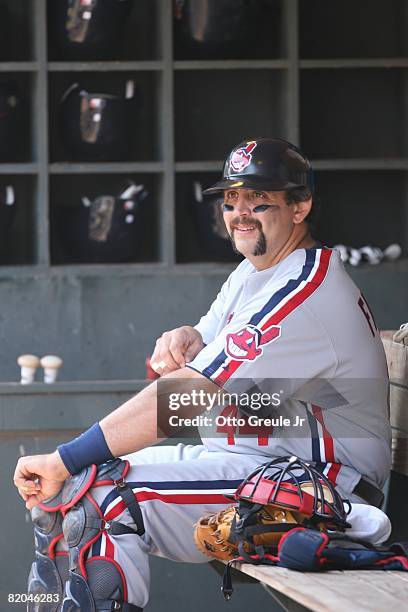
[(28, 365), (51, 365)]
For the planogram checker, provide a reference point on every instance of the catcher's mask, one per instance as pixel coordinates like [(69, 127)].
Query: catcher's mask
[(296, 486)]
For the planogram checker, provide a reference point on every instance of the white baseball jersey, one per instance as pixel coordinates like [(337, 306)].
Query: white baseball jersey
[(301, 329)]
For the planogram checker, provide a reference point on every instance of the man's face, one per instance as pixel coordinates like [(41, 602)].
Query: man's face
[(259, 222)]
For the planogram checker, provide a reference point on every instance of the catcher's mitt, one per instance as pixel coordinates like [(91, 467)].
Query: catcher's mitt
[(269, 506)]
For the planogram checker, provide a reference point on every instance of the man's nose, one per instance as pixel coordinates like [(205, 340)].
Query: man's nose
[(241, 206)]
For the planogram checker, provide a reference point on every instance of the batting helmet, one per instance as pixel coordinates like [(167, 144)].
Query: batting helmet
[(270, 164), (87, 29), (103, 229), (96, 126)]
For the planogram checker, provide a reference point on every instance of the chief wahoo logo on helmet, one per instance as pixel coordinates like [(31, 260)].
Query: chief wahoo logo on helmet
[(245, 344), (241, 158)]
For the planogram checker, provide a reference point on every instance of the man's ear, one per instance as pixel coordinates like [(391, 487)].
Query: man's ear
[(301, 210)]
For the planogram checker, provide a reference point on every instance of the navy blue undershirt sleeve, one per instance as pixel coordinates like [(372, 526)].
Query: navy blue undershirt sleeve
[(90, 447)]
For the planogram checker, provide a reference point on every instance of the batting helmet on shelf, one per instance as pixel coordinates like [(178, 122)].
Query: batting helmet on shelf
[(104, 229), (226, 28), (86, 29), (270, 164), (97, 126)]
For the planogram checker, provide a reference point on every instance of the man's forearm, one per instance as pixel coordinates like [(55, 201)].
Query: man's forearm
[(127, 429), (133, 425)]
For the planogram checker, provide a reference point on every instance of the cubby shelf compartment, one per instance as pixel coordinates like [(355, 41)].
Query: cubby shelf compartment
[(362, 207), (215, 110), (140, 35), (346, 28), (18, 218), (355, 114), (143, 131), (128, 235)]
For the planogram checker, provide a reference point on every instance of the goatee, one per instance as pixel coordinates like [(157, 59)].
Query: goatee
[(259, 249)]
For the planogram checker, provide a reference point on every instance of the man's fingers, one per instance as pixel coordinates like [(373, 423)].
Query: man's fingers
[(177, 353), (23, 471), (162, 360), (169, 362), (193, 350), (174, 349), (33, 500), (185, 344), (26, 481), (163, 364), (23, 495), (162, 346), (20, 481), (155, 357), (39, 477), (176, 344), (30, 487)]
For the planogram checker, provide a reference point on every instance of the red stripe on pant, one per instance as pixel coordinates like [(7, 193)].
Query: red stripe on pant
[(328, 445), (172, 498)]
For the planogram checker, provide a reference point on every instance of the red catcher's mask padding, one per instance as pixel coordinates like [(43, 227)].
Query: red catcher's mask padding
[(286, 495)]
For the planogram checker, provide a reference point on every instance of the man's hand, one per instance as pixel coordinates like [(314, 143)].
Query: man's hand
[(39, 477), (176, 348)]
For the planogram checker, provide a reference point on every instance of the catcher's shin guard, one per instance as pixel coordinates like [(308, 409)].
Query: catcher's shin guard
[(49, 570), (95, 583)]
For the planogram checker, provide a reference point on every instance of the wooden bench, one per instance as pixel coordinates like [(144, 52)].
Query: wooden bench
[(353, 591), (334, 591)]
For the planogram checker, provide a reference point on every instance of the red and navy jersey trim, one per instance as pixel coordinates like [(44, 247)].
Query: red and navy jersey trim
[(279, 306)]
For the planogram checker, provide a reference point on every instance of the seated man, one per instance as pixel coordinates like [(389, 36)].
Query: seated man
[(288, 320)]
